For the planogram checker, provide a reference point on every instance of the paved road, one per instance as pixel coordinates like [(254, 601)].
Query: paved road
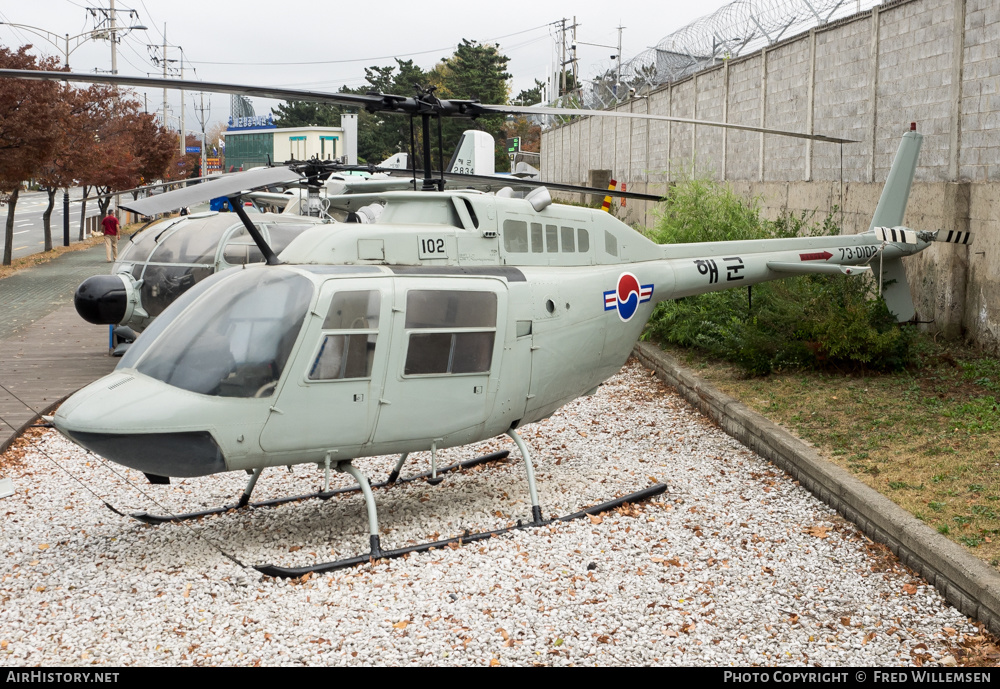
[(28, 229)]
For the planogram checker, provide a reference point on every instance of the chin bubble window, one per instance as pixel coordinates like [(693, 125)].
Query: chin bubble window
[(449, 333)]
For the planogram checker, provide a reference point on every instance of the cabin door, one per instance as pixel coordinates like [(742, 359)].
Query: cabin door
[(446, 352), (329, 399)]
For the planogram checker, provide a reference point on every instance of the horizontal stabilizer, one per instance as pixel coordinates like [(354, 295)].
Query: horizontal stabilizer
[(814, 268), (904, 235), (901, 235)]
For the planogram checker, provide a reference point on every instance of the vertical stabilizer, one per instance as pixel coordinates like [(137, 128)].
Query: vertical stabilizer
[(895, 194), (474, 155), (398, 161), (895, 289), (889, 213)]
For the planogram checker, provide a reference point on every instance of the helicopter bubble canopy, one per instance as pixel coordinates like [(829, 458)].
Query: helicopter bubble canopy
[(164, 260), (237, 343)]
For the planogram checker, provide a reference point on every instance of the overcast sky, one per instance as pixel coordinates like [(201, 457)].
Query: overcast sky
[(246, 42)]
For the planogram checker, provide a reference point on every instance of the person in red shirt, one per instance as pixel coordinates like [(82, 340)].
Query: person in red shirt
[(111, 227)]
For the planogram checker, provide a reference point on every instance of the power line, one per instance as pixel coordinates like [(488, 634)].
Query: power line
[(152, 21), (360, 59)]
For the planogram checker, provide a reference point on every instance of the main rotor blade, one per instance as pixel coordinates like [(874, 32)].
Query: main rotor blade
[(279, 93), (514, 182), (568, 112), (384, 102), (227, 186)]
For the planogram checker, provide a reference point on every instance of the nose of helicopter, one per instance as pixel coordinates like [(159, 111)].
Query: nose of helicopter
[(111, 417)]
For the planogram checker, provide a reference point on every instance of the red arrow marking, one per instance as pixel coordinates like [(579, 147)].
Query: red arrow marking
[(826, 255)]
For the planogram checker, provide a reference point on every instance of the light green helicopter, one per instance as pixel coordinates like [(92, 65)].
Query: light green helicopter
[(450, 318)]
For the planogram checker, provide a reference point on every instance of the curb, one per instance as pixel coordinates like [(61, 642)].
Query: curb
[(966, 582), (18, 432)]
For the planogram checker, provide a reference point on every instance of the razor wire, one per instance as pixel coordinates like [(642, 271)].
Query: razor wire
[(736, 29)]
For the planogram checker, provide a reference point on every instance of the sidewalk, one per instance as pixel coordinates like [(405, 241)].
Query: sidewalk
[(47, 351)]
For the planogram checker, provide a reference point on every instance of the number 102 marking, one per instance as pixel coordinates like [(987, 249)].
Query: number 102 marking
[(432, 247)]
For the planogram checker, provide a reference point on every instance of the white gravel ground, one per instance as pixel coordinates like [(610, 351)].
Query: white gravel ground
[(735, 565)]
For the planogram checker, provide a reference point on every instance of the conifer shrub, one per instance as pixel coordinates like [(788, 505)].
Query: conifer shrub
[(811, 321)]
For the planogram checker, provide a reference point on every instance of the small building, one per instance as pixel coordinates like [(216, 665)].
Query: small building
[(255, 141)]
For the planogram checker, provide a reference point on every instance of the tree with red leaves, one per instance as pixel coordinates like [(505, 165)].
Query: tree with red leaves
[(77, 150), (133, 148), (29, 129)]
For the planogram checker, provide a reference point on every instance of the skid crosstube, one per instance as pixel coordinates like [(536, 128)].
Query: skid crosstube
[(295, 572), (147, 518)]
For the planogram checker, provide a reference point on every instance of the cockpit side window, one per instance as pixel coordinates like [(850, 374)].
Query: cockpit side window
[(610, 244), (449, 332), (350, 330), (240, 249), (191, 243)]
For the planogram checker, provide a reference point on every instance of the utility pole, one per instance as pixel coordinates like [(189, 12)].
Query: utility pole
[(562, 60), (618, 78), (165, 62), (183, 138), (576, 80), (114, 39), (164, 74), (202, 119)]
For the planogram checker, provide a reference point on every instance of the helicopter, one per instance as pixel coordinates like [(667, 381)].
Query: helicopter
[(473, 156), (163, 259), (457, 316)]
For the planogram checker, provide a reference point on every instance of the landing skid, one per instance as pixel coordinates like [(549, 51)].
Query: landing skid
[(377, 553), (322, 495)]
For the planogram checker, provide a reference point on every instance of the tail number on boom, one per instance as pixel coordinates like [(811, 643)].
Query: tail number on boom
[(850, 253)]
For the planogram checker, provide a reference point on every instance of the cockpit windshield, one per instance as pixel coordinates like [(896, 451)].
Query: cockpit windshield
[(236, 341)]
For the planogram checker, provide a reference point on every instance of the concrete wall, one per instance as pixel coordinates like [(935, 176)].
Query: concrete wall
[(866, 77)]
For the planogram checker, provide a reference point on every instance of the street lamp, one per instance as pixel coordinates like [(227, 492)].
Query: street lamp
[(79, 39)]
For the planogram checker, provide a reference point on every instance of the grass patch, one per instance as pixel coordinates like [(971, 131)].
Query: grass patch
[(925, 437)]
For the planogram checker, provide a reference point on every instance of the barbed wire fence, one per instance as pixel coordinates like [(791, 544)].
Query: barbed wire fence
[(736, 29)]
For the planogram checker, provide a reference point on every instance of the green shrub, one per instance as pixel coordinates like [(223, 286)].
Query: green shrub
[(809, 321)]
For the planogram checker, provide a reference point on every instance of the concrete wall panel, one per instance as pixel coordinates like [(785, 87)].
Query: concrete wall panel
[(933, 62), (843, 107), (787, 107), (743, 148)]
